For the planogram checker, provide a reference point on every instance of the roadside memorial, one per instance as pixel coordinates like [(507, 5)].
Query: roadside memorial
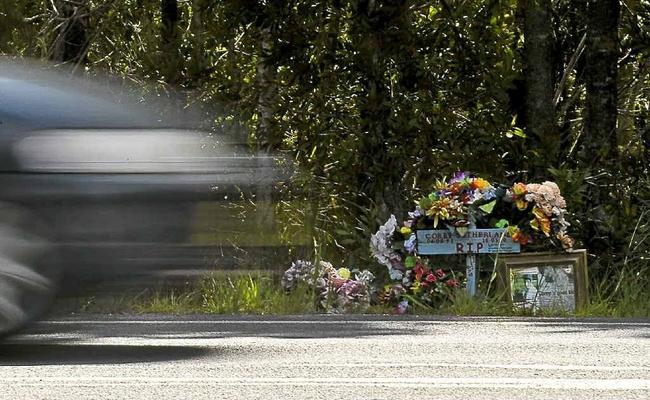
[(467, 215), (548, 280)]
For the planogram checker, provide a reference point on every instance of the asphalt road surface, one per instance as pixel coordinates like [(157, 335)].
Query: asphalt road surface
[(327, 357)]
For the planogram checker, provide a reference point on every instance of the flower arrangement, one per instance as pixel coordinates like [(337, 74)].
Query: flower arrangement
[(415, 281), (532, 213), (541, 214), (336, 289)]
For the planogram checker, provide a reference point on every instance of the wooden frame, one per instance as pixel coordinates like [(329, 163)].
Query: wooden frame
[(542, 274)]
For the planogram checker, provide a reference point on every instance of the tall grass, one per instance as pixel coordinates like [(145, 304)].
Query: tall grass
[(253, 294)]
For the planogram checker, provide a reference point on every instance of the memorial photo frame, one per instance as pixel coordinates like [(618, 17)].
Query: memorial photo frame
[(536, 281)]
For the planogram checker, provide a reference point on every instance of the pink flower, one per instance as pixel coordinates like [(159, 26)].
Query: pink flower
[(431, 278), (338, 282), (441, 274), (452, 283)]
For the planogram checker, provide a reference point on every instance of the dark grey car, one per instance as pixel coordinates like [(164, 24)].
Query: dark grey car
[(93, 184)]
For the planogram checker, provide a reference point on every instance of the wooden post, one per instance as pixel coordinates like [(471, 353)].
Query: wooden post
[(471, 274), (470, 270)]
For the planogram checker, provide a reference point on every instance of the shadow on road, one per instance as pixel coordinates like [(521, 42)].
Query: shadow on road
[(25, 354), (62, 332), (638, 329)]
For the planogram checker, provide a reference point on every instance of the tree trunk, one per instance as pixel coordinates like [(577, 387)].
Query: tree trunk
[(70, 42), (171, 62), (601, 77), (539, 81), (380, 170), (266, 80)]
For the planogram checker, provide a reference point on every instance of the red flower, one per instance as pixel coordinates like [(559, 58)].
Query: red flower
[(441, 274), (431, 278), (425, 285), (452, 283)]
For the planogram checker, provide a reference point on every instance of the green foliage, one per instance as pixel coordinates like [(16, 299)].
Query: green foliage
[(372, 101), (253, 294)]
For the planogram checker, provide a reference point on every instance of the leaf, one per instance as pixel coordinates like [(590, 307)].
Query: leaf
[(502, 223), (409, 262), (462, 230), (488, 207), (425, 203), (416, 302)]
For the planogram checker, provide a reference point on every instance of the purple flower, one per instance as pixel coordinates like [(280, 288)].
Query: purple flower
[(401, 307), (459, 176), (410, 243), (417, 213)]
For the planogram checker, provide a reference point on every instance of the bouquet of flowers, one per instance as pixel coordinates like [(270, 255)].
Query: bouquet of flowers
[(455, 202), (414, 280), (532, 213), (336, 289), (540, 213)]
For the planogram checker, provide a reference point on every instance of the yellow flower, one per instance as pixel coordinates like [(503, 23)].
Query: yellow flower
[(538, 213), (519, 189), (416, 286), (444, 209), (521, 204), (566, 240), (541, 221), (344, 273), (405, 230)]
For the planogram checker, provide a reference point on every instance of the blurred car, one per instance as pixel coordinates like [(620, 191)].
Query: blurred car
[(94, 183)]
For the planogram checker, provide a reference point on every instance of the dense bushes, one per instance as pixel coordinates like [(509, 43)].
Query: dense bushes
[(374, 100)]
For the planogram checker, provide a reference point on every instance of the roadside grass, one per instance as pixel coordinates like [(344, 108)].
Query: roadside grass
[(261, 293), (253, 294)]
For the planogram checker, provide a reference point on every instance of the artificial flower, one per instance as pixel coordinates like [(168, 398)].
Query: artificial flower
[(401, 307), (566, 241), (344, 273), (410, 243), (445, 209), (480, 184), (519, 189), (452, 283), (519, 236)]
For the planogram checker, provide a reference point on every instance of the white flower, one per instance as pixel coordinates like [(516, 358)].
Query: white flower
[(395, 274), (380, 244), (365, 277)]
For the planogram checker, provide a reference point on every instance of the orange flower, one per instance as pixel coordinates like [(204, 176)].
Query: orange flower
[(541, 221), (566, 240), (519, 189), (480, 184), (542, 224), (518, 236)]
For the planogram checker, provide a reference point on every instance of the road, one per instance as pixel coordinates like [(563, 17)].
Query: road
[(326, 357)]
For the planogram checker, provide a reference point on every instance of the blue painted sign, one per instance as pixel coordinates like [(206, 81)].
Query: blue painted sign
[(474, 241)]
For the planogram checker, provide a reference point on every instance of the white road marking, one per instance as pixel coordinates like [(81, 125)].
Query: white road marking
[(333, 322), (580, 384), (546, 367)]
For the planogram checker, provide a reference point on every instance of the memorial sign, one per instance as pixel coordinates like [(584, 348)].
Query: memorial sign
[(474, 241)]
